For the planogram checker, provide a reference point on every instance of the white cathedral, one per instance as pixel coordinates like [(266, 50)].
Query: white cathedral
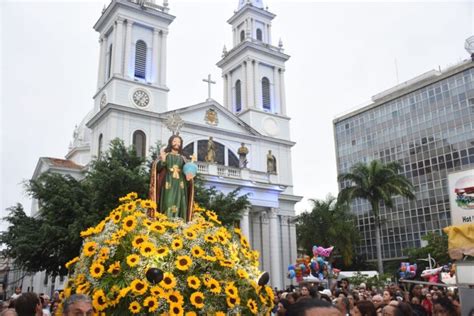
[(131, 103)]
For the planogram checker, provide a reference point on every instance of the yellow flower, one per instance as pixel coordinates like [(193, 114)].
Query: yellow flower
[(89, 248), (262, 299), (210, 258), (96, 270), (218, 252), (113, 296), (183, 263), (71, 262), (139, 286), (231, 290), (157, 291), (242, 274), (99, 301), (129, 223), (162, 252), (221, 237), (80, 278), (190, 314), (134, 307), (147, 249), (132, 196), (252, 305), (209, 238), (83, 288), (177, 244), (175, 297), (220, 314), (133, 260), (114, 268), (116, 216), (158, 227), (270, 292), (194, 282), (88, 232), (104, 254), (190, 234), (124, 292), (211, 215), (214, 286), (232, 301), (197, 299), (197, 252), (147, 222), (151, 303), (138, 240), (176, 310), (226, 263), (99, 227), (147, 204), (244, 241), (169, 281)]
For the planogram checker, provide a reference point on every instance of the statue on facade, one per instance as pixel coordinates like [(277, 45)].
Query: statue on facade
[(211, 151), (171, 181), (243, 151), (271, 163)]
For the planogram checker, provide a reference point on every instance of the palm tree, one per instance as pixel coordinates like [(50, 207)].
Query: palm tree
[(375, 182)]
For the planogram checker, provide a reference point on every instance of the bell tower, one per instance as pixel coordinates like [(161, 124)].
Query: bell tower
[(253, 71), (132, 60)]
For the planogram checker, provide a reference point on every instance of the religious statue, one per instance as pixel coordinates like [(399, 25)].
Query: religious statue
[(211, 151), (171, 183), (243, 151), (271, 163)]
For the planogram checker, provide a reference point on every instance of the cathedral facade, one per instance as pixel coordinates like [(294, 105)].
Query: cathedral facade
[(249, 129)]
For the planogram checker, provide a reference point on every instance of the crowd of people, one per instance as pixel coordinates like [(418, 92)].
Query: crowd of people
[(396, 300), (32, 304)]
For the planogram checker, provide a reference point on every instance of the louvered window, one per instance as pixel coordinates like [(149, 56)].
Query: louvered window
[(266, 101), (140, 59), (238, 96), (259, 34), (99, 148), (139, 143), (109, 65)]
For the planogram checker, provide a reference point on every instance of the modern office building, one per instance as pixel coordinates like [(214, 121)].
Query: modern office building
[(427, 125)]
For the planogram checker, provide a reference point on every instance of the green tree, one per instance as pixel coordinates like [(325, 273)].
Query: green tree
[(377, 183), (437, 247), (328, 224)]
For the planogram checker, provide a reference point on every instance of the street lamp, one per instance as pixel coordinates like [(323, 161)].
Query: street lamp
[(469, 46)]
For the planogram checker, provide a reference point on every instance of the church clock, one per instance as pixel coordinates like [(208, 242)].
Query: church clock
[(141, 98)]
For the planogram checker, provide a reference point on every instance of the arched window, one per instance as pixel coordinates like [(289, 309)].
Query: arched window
[(139, 143), (109, 65), (242, 35), (266, 100), (99, 147), (140, 59), (238, 96), (259, 35)]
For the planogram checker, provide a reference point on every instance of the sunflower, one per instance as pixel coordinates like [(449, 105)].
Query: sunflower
[(151, 303), (88, 232), (84, 288), (124, 292), (190, 234), (231, 290), (211, 215), (221, 237), (132, 196), (134, 307), (157, 291), (89, 248), (133, 260), (71, 262), (226, 263), (190, 314), (197, 299), (210, 258), (99, 301), (114, 268), (147, 222), (162, 252), (147, 249), (197, 252), (158, 227), (114, 296), (138, 240), (96, 270), (183, 263), (218, 252), (244, 241), (175, 297), (147, 204), (116, 216), (242, 274), (252, 305), (129, 223), (177, 244), (210, 239), (262, 299), (80, 278), (99, 227), (169, 281), (220, 314), (139, 286), (270, 292), (104, 254), (176, 310), (194, 282), (214, 286), (232, 301)]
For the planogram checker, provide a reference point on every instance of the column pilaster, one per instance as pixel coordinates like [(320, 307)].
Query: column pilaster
[(282, 92), (118, 43), (256, 85), (277, 90), (249, 83), (276, 272), (128, 50), (101, 73), (162, 64), (229, 93), (244, 85), (155, 69), (245, 224), (226, 91)]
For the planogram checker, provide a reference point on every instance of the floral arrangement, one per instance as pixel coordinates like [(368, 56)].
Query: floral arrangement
[(133, 264)]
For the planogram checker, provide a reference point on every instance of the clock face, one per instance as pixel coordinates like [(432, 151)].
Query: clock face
[(103, 100), (141, 98)]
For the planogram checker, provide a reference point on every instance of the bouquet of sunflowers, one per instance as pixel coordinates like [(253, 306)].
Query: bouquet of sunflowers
[(133, 264)]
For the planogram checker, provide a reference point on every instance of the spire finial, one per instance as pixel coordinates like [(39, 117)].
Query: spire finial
[(165, 3), (280, 44), (224, 51)]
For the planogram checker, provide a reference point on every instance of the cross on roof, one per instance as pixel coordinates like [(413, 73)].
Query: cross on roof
[(209, 82)]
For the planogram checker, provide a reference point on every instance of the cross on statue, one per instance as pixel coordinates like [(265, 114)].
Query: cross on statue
[(209, 82)]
